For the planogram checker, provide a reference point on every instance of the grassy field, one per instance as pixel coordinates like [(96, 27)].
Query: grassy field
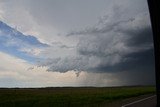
[(68, 97)]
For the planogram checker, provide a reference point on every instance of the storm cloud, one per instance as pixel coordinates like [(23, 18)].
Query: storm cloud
[(78, 43), (114, 44)]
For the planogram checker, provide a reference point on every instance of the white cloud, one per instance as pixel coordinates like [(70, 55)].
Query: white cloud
[(12, 63)]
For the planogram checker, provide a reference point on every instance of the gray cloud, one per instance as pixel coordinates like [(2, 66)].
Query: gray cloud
[(120, 42), (111, 45), (61, 45)]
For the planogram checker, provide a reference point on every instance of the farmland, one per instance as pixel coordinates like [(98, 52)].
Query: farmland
[(69, 96)]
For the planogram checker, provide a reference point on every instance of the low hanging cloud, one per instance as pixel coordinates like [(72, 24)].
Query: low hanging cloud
[(115, 44)]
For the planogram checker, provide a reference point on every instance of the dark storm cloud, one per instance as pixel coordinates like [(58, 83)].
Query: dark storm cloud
[(136, 53), (115, 44), (139, 61)]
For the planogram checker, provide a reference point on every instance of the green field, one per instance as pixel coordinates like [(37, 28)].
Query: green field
[(68, 97)]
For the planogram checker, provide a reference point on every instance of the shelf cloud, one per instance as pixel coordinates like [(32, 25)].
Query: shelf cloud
[(77, 42)]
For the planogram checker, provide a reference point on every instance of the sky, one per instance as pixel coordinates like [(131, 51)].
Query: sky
[(52, 43)]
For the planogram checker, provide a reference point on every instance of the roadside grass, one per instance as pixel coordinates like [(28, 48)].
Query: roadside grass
[(69, 96)]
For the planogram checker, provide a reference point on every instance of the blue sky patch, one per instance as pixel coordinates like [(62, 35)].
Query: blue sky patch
[(15, 43)]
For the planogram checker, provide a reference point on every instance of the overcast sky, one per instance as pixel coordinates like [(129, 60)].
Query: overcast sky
[(75, 43)]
